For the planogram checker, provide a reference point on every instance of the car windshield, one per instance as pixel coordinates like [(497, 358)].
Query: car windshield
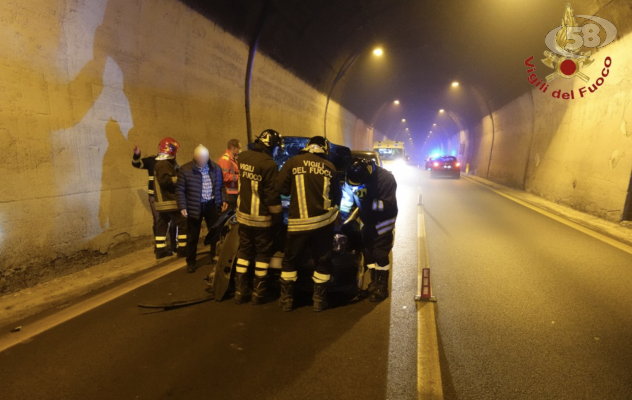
[(447, 158), (390, 154)]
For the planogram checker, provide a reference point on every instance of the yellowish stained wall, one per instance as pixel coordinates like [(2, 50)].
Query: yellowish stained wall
[(84, 81)]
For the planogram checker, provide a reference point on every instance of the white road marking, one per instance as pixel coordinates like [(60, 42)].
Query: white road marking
[(599, 236), (30, 330)]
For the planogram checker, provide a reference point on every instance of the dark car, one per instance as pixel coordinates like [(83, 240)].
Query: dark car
[(348, 273), (368, 155), (445, 166)]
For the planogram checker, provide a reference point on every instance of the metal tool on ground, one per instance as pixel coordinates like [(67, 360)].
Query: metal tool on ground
[(177, 304)]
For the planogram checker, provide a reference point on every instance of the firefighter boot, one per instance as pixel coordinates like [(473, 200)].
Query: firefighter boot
[(259, 287), (373, 284), (242, 291), (287, 295), (381, 287), (320, 296)]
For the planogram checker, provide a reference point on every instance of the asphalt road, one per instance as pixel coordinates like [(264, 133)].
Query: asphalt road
[(215, 350), (528, 308)]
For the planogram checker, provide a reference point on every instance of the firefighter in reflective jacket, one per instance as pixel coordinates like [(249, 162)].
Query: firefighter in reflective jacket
[(312, 182), (258, 213), (165, 179), (372, 189)]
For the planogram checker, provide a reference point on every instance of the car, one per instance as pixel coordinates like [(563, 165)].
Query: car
[(368, 155), (347, 276), (445, 166)]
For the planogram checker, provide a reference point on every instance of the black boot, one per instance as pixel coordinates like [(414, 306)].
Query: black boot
[(259, 287), (373, 284), (320, 296), (191, 268), (242, 291), (163, 253), (287, 295), (381, 287)]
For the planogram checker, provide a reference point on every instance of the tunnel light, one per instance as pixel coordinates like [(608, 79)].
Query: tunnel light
[(378, 51), (455, 84), (434, 124), (441, 110), (430, 131), (396, 102), (406, 128), (403, 119)]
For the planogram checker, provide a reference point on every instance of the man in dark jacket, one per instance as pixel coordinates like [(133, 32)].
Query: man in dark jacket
[(258, 213), (165, 179), (200, 193), (148, 164), (312, 181), (373, 189)]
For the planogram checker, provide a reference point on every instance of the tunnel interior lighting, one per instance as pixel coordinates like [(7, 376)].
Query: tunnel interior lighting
[(441, 110), (434, 124), (396, 102), (406, 128), (378, 51), (403, 119), (455, 84)]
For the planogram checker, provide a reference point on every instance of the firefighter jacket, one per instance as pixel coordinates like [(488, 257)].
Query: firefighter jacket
[(230, 172), (258, 198), (314, 187), (147, 163), (377, 201), (165, 179)]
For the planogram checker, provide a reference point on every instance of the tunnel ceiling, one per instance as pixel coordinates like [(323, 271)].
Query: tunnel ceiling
[(427, 45)]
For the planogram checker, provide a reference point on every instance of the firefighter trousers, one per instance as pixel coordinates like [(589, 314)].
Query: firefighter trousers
[(376, 248), (320, 244), (173, 229), (162, 226)]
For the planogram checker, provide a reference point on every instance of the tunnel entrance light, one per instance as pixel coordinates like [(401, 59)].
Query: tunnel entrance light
[(378, 51), (455, 84)]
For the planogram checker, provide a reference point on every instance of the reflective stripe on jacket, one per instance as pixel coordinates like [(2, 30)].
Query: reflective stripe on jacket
[(258, 197), (314, 187)]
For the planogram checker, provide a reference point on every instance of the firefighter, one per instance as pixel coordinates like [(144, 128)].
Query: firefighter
[(230, 171), (372, 189), (258, 213), (165, 180), (312, 182), (148, 163)]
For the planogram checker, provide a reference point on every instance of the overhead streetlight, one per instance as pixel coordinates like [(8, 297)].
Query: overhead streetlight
[(378, 51), (396, 102), (455, 84)]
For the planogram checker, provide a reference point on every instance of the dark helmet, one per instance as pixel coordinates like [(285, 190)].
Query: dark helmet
[(271, 139), (360, 171), (318, 144)]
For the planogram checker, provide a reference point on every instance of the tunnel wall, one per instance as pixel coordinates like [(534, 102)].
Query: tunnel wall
[(575, 152), (82, 82)]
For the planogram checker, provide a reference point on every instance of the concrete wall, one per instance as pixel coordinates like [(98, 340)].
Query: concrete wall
[(573, 152), (82, 82)]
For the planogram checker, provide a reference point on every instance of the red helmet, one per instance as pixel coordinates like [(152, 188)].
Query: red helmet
[(168, 146)]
